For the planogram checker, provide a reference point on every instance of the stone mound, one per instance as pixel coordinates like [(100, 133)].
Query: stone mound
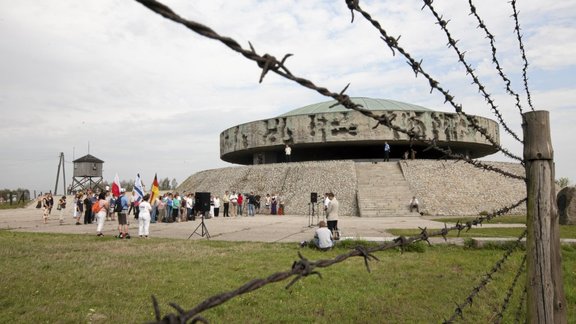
[(443, 187)]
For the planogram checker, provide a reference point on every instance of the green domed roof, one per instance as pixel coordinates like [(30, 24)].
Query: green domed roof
[(367, 103)]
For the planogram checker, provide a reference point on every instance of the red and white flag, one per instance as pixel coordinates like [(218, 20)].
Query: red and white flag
[(116, 186)]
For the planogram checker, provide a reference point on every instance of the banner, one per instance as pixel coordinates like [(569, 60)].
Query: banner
[(155, 191), (138, 189), (116, 186)]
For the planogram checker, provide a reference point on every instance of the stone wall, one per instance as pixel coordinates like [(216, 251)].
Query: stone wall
[(566, 200), (292, 181), (353, 128), (458, 188), (443, 187)]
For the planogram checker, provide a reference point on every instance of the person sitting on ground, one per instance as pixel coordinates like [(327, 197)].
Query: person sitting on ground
[(414, 204), (323, 237)]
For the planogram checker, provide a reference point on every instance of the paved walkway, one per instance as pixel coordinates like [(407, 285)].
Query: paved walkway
[(261, 228)]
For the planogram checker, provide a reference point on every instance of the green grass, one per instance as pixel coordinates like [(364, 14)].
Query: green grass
[(14, 205), (68, 278), (566, 231), (507, 219)]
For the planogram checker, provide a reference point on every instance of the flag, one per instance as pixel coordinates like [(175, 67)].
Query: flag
[(154, 192), (138, 189), (116, 186)]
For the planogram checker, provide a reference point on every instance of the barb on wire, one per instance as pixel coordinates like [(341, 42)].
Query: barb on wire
[(417, 67), (490, 36), (521, 45), (351, 4), (480, 220), (458, 312), (520, 270), (469, 70)]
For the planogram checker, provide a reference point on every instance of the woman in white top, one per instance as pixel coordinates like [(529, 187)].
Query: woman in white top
[(216, 206), (144, 216)]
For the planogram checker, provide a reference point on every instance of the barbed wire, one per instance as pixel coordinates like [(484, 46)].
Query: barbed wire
[(491, 37), (440, 21), (522, 51), (459, 310), (480, 165), (304, 267), (506, 302), (269, 63), (417, 68), (521, 305)]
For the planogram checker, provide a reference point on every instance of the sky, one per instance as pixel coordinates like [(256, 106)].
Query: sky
[(146, 95)]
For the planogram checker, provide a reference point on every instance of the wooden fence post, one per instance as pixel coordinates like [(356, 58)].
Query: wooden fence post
[(546, 301)]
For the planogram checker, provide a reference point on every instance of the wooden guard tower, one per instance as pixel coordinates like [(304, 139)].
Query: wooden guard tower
[(87, 173)]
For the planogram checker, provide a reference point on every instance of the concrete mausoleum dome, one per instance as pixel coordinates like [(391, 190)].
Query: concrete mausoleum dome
[(317, 132)]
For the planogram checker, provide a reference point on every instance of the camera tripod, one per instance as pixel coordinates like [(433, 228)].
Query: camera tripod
[(203, 229), (313, 211)]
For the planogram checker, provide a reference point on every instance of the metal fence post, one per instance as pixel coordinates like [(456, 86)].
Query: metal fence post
[(546, 301)]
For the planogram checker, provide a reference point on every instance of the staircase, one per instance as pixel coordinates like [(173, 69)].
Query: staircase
[(382, 190)]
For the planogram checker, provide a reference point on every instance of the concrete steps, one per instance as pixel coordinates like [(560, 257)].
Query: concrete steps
[(382, 190)]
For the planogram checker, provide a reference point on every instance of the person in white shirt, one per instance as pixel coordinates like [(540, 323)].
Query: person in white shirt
[(189, 206), (234, 202), (323, 237), (414, 204), (216, 206), (288, 151), (326, 202), (332, 213), (144, 216)]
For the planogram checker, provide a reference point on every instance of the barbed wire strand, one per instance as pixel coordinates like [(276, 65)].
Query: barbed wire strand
[(459, 310), (492, 42), (521, 268), (480, 165), (440, 21), (269, 63), (303, 268), (417, 68), (521, 45), (521, 305)]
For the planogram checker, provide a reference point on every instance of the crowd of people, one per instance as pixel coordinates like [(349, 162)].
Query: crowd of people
[(91, 207), (174, 207)]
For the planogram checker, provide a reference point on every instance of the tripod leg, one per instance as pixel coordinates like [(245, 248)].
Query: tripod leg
[(196, 230), (205, 231)]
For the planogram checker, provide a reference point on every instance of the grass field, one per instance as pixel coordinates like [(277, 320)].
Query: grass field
[(505, 219), (78, 279), (13, 205), (566, 231)]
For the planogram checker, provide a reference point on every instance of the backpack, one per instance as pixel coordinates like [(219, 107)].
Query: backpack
[(118, 205), (96, 207)]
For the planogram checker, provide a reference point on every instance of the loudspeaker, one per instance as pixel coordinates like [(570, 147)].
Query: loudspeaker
[(202, 201), (313, 197)]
